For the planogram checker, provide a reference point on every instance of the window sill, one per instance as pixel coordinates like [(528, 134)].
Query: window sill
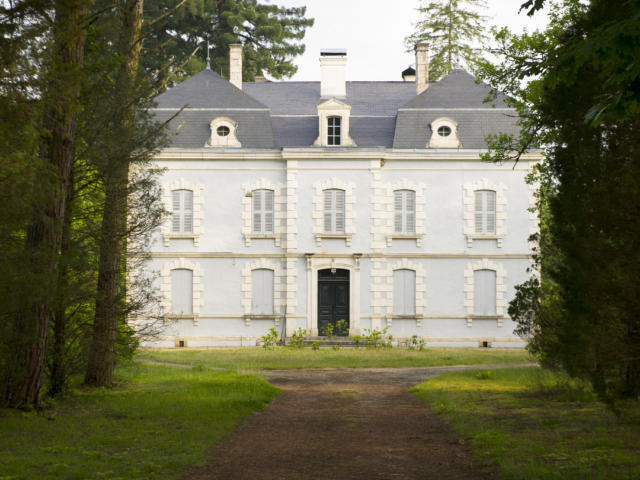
[(345, 236), (250, 316), (405, 236), (396, 316), (498, 318), (172, 316), (484, 236), (248, 237), (182, 236)]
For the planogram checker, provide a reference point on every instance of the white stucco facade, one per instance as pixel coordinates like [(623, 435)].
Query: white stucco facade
[(443, 252)]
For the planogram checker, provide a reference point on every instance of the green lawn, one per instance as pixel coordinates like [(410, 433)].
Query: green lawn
[(286, 358), (158, 421), (532, 423)]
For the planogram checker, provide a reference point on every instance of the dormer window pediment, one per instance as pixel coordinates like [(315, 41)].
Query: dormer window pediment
[(444, 134), (223, 133), (333, 124)]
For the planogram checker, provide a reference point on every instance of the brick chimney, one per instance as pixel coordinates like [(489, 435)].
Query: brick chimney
[(333, 73), (235, 64), (422, 67)]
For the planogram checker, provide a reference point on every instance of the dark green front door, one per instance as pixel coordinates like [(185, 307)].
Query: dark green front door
[(333, 301)]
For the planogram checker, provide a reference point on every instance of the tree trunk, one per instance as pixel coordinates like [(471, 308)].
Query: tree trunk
[(22, 382), (110, 297), (58, 378)]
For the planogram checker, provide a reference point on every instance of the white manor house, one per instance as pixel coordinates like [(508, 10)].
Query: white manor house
[(300, 204)]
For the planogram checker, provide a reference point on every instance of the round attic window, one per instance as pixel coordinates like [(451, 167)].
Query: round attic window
[(444, 131), (223, 131)]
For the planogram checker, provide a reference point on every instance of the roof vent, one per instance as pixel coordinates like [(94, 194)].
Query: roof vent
[(333, 73)]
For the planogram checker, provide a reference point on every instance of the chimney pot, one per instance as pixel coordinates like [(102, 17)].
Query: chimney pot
[(235, 64)]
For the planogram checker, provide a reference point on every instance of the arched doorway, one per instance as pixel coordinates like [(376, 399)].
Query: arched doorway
[(333, 301)]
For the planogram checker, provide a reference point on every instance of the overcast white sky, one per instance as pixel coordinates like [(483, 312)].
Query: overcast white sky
[(373, 33)]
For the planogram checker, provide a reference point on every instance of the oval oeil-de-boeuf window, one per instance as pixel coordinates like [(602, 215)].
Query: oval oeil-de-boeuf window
[(223, 131), (444, 131)]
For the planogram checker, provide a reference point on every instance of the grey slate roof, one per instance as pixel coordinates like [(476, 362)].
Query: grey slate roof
[(302, 98), (457, 90), (413, 128), (191, 127), (206, 89), (284, 114)]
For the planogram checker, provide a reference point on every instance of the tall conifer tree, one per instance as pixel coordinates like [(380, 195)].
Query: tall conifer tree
[(453, 29)]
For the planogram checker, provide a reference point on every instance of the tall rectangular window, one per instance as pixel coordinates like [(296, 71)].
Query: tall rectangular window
[(485, 211), (404, 210), (262, 291), (263, 211), (484, 292), (182, 211), (404, 292), (334, 211), (181, 291), (333, 130)]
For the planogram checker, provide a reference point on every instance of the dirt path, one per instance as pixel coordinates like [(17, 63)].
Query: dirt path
[(334, 424)]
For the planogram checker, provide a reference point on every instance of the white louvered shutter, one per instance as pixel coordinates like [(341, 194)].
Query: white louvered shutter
[(334, 211), (182, 211), (262, 292), (181, 291), (484, 292), (257, 211), (187, 211), (404, 208), (268, 211), (485, 211), (328, 211), (339, 211), (404, 292), (176, 220), (397, 211), (490, 209)]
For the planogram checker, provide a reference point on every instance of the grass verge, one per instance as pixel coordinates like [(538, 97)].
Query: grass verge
[(285, 358), (533, 423), (157, 422)]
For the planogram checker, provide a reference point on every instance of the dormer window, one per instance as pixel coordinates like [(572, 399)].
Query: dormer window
[(223, 133), (333, 130), (333, 124), (444, 134)]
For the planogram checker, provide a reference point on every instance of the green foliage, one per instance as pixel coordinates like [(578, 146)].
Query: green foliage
[(297, 339), (416, 342), (452, 28), (537, 423), (270, 339), (271, 36), (129, 432), (582, 106), (375, 338)]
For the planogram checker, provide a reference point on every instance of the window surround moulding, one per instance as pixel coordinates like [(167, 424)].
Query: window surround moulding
[(279, 286), (278, 214), (382, 289), (383, 193), (334, 108), (501, 289), (230, 140), (449, 141), (198, 201), (469, 217), (318, 210), (197, 289)]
